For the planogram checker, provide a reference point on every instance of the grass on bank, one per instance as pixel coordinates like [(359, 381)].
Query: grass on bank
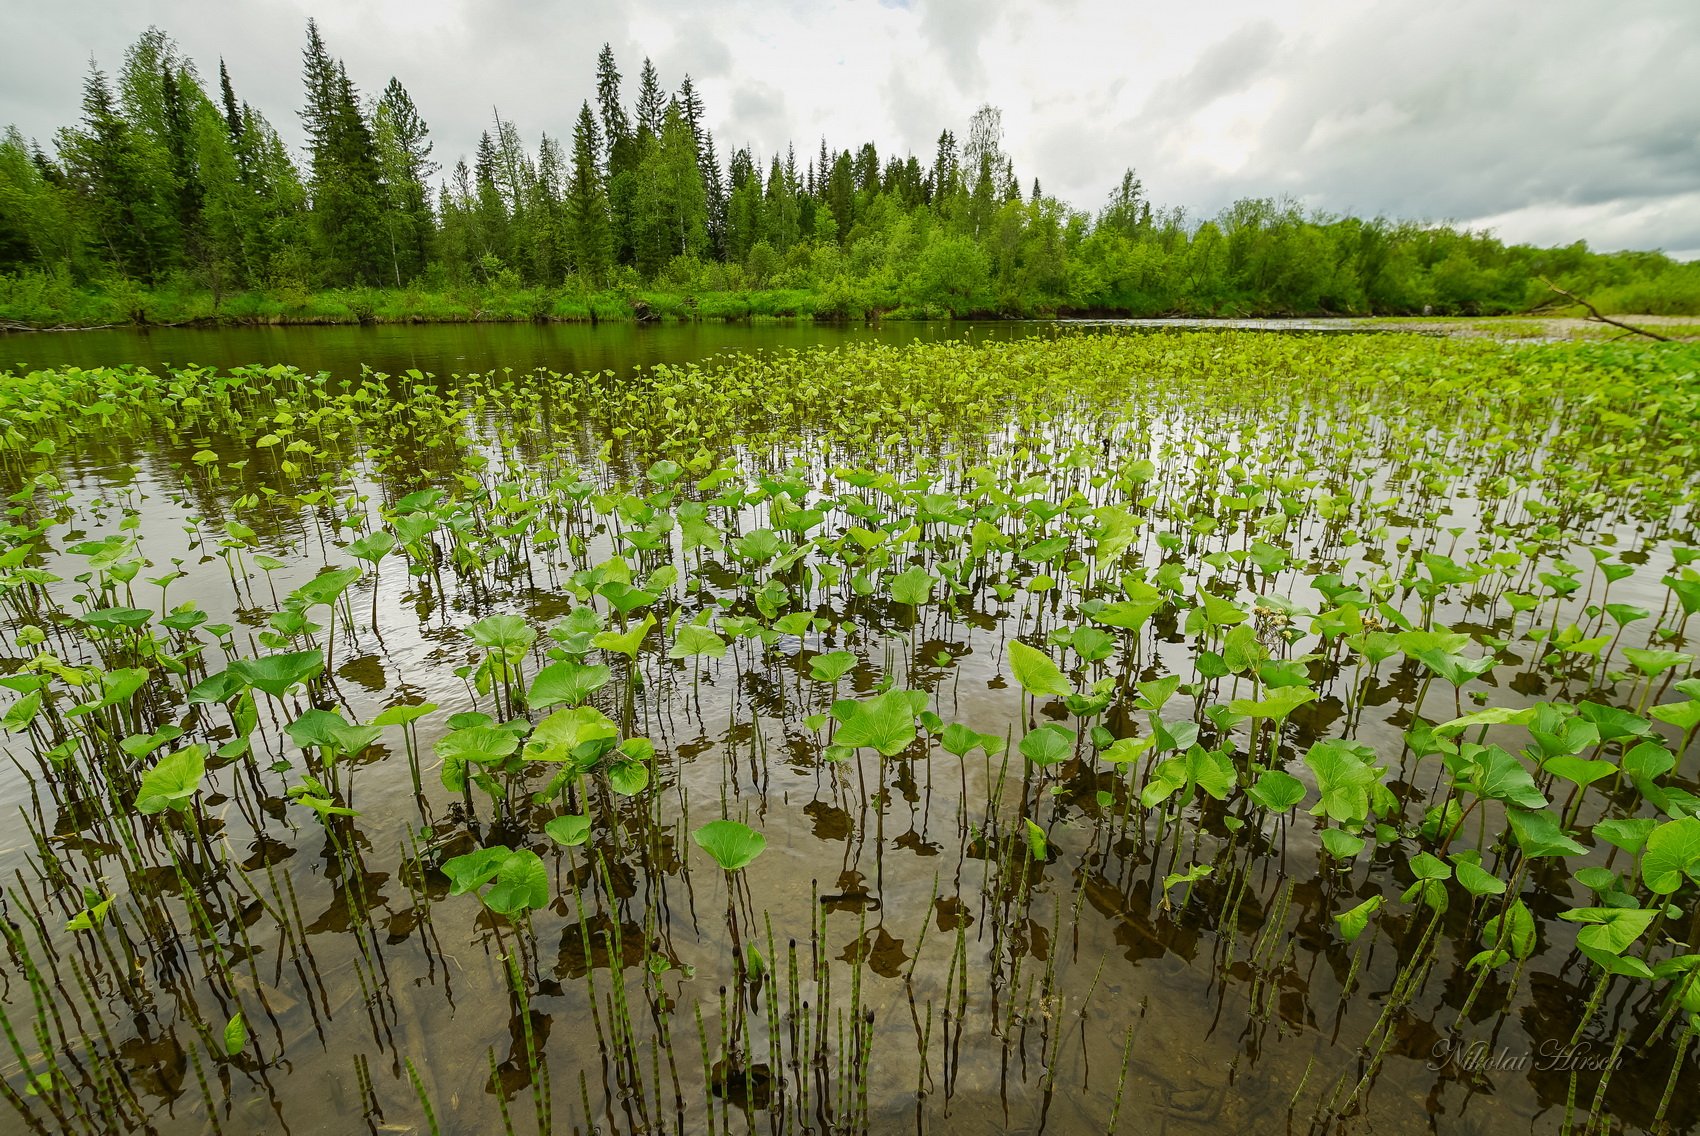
[(47, 301)]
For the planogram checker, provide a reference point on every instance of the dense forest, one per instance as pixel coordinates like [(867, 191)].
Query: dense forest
[(173, 197)]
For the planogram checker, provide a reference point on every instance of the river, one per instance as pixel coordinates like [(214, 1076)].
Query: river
[(449, 348)]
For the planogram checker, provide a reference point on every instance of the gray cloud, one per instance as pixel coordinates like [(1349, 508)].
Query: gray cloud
[(1404, 113), (1226, 67), (760, 110), (700, 51), (954, 29)]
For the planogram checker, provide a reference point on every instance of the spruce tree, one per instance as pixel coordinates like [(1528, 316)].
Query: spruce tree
[(743, 207), (943, 177), (548, 231), (651, 111), (669, 210), (344, 183), (714, 190), (39, 226), (490, 209), (840, 194), (615, 127), (130, 213), (405, 166), (622, 156), (228, 219), (227, 98), (459, 245), (866, 170), (689, 198), (151, 100), (691, 106), (587, 203), (515, 178), (779, 209), (279, 245), (180, 97)]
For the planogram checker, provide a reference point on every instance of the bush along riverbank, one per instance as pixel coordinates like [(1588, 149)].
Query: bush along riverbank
[(41, 304)]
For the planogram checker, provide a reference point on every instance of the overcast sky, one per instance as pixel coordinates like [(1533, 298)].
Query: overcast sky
[(1550, 121)]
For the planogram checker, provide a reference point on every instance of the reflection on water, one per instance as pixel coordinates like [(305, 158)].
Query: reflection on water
[(449, 348), (906, 953)]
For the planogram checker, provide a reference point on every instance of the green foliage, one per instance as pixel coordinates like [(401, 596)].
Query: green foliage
[(1048, 745), (1518, 928), (885, 723), (693, 641), (166, 203), (1346, 778), (568, 831), (277, 675), (1353, 922), (1277, 790), (831, 666), (1207, 629), (733, 846), (1673, 853), (173, 781), (519, 881), (566, 681), (562, 735), (1036, 671), (235, 1035)]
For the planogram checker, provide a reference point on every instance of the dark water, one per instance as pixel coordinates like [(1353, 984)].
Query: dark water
[(445, 349)]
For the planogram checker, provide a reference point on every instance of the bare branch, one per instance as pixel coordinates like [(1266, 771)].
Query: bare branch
[(1594, 313)]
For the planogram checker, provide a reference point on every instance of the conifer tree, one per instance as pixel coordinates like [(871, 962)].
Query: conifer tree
[(489, 207), (779, 209), (343, 185), (743, 207), (130, 215), (622, 156), (840, 194), (180, 97), (404, 163), (547, 237), (227, 99), (714, 191), (39, 229), (650, 109), (587, 203), (515, 178), (691, 106), (944, 176)]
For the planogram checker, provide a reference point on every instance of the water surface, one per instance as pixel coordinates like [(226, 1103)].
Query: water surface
[(999, 989), (449, 348)]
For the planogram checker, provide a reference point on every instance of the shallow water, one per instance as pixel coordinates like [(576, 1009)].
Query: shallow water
[(456, 348), (998, 991)]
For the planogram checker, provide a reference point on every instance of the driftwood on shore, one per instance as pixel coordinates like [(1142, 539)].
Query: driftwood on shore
[(1595, 314), (8, 325)]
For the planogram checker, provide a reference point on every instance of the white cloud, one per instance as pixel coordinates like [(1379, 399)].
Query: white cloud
[(1550, 122), (1671, 223)]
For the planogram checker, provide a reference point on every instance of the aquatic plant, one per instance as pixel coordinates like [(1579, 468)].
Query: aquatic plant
[(1347, 683)]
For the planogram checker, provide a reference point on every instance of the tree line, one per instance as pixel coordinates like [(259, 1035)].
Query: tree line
[(167, 183)]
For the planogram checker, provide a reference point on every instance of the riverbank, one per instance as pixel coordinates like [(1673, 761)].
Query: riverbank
[(1545, 327), (42, 305), (25, 308)]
